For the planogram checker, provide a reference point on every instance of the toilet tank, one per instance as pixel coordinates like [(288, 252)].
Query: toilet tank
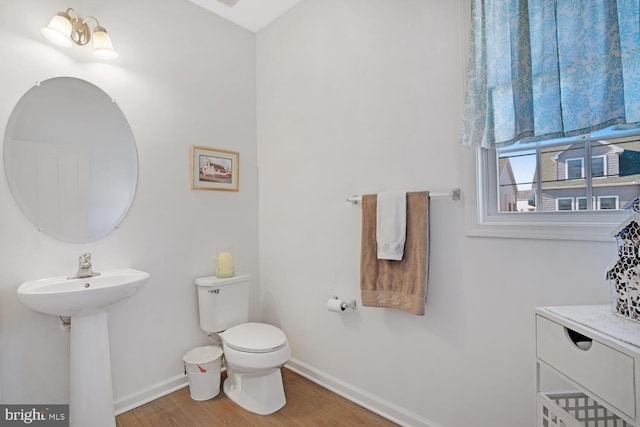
[(223, 302)]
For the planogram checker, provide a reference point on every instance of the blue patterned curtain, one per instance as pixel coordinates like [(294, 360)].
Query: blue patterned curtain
[(544, 69)]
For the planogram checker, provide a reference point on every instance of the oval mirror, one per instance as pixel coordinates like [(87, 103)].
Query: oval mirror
[(70, 159)]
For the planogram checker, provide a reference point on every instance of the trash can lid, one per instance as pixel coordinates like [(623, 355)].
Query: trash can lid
[(204, 354)]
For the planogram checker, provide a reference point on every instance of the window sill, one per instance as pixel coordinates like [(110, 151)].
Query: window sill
[(545, 230)]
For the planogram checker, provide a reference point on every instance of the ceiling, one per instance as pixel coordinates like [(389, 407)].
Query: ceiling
[(250, 14)]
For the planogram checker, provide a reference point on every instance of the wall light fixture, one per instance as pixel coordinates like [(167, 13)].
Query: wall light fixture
[(67, 28)]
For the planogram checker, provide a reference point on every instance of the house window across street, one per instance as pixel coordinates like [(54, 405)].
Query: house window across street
[(608, 202), (574, 168), (598, 166), (564, 204), (582, 203)]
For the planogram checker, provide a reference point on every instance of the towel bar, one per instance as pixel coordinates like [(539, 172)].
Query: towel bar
[(454, 194)]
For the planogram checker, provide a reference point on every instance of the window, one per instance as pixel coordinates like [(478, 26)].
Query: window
[(604, 202), (550, 139), (582, 203), (534, 179), (564, 204), (598, 166), (608, 202), (574, 169)]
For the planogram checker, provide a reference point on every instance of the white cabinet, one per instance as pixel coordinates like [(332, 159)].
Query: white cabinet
[(583, 346)]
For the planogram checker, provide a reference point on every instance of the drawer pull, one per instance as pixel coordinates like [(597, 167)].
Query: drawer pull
[(579, 340)]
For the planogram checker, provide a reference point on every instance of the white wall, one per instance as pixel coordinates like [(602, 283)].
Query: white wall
[(354, 96), (361, 96), (184, 77)]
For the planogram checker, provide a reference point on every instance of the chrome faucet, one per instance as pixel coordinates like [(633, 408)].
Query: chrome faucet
[(84, 267)]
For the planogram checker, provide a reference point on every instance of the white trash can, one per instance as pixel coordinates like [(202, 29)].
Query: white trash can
[(203, 366)]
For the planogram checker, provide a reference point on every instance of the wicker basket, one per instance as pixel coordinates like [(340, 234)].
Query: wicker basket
[(574, 409)]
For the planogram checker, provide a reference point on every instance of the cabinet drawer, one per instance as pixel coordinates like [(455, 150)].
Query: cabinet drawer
[(604, 371)]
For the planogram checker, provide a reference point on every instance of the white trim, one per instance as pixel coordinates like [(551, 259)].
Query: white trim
[(635, 216), (566, 168), (558, 199), (157, 390), (361, 397), (609, 197), (356, 395), (614, 147), (593, 202)]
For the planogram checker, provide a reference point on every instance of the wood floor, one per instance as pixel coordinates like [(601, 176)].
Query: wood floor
[(308, 404)]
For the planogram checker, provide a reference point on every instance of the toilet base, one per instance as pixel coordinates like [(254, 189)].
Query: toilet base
[(262, 394)]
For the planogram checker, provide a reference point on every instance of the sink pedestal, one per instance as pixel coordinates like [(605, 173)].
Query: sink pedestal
[(91, 391), (82, 299)]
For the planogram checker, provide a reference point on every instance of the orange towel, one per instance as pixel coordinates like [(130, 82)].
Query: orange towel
[(396, 284)]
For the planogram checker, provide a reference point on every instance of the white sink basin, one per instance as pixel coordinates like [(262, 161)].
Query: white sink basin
[(61, 296)]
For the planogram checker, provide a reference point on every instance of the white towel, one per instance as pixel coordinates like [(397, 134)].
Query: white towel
[(391, 224)]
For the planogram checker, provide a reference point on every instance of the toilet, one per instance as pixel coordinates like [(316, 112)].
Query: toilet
[(254, 352)]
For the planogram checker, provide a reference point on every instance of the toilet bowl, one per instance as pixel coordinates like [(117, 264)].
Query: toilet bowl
[(254, 354)]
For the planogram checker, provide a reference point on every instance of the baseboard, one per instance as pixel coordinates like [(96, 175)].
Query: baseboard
[(385, 409), (133, 400), (365, 399)]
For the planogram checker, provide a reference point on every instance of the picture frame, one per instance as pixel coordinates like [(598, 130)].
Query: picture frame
[(214, 169)]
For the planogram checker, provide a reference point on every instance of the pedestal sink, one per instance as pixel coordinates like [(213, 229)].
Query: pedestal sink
[(83, 299)]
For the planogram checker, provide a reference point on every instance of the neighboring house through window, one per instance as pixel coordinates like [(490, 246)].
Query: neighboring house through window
[(534, 180), (558, 174)]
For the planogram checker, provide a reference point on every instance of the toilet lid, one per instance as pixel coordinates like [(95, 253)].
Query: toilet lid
[(254, 338)]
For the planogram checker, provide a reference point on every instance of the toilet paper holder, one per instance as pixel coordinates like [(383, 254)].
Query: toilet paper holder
[(346, 305)]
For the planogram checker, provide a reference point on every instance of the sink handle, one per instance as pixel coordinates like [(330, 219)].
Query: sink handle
[(84, 267), (84, 261)]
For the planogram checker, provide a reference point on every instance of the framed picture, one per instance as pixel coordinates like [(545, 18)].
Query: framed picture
[(214, 169)]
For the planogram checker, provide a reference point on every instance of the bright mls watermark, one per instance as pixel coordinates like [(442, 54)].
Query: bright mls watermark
[(34, 415)]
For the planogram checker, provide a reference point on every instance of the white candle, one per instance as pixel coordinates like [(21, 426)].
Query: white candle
[(224, 265)]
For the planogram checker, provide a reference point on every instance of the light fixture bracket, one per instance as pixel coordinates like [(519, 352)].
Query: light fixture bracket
[(80, 32)]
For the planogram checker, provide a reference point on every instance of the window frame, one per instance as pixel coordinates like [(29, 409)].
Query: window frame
[(593, 203), (481, 221), (614, 196), (566, 166), (582, 170), (571, 208)]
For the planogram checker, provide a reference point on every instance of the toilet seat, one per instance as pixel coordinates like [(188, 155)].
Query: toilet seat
[(254, 338)]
